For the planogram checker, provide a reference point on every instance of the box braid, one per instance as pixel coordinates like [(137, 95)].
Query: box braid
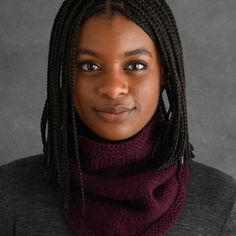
[(58, 124)]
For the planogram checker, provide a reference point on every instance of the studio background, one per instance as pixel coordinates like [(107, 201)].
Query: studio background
[(208, 33)]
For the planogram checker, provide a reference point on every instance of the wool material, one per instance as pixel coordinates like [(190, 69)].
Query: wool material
[(124, 195)]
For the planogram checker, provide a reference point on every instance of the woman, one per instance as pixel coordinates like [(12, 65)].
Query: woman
[(117, 160)]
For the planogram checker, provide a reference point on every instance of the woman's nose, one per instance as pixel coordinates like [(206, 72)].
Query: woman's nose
[(113, 85)]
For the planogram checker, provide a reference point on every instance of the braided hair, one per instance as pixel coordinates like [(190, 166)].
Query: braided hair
[(59, 115)]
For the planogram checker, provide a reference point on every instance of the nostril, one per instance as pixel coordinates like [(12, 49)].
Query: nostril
[(113, 92), (113, 89)]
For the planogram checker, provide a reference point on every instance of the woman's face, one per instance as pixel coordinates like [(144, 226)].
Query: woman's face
[(118, 77)]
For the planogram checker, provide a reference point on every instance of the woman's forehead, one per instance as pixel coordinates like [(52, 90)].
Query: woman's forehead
[(102, 32)]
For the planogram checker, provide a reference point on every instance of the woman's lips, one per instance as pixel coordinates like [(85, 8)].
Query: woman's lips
[(114, 114)]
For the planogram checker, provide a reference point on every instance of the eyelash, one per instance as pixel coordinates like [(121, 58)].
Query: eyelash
[(81, 64)]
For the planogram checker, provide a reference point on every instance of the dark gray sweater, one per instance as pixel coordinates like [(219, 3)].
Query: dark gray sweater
[(30, 208)]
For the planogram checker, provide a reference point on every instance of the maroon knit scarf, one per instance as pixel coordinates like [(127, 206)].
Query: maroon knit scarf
[(123, 195)]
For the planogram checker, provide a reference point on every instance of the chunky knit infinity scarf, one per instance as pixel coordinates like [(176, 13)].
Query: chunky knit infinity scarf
[(124, 195)]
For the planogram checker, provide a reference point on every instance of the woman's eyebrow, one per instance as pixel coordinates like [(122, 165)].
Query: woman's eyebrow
[(137, 51), (134, 52)]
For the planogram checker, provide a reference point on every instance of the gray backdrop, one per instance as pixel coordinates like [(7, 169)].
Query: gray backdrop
[(208, 31)]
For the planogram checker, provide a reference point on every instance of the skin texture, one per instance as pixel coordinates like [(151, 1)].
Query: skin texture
[(109, 80)]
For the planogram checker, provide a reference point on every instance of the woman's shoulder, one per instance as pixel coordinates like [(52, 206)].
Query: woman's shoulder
[(25, 170), (28, 205), (209, 207), (21, 178), (22, 164), (23, 181), (203, 175), (211, 189), (209, 185)]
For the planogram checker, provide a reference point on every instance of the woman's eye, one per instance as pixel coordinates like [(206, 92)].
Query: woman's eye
[(89, 66), (136, 66)]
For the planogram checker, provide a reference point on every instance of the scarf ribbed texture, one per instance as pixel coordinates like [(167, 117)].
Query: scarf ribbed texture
[(124, 196)]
